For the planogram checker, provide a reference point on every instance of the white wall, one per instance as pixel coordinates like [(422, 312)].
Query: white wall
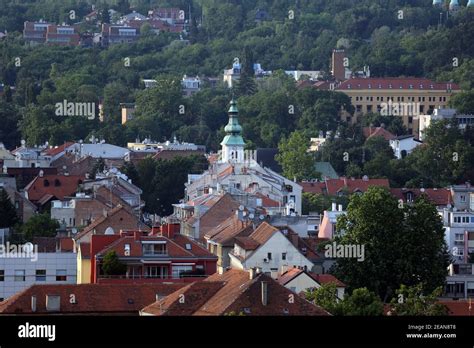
[(276, 245), (48, 261)]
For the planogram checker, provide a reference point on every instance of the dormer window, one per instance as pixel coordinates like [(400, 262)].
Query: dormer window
[(46, 182), (390, 85), (409, 197), (154, 248), (57, 183)]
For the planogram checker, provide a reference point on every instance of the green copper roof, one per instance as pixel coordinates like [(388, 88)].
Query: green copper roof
[(233, 128), (233, 107), (232, 140)]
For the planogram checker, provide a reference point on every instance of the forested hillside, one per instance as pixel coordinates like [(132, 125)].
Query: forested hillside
[(393, 37)]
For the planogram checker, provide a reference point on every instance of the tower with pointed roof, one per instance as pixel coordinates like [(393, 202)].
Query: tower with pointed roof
[(233, 143)]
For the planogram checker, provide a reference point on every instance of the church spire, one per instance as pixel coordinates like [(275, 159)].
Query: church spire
[(233, 143)]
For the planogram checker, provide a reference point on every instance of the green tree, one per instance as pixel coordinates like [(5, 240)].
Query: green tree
[(39, 225), (394, 253), (463, 102), (411, 301), (295, 159), (362, 302), (111, 264), (8, 216), (326, 297)]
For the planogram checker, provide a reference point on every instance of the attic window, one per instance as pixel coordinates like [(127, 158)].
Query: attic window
[(53, 303), (57, 182), (188, 246), (46, 182), (247, 310), (286, 311)]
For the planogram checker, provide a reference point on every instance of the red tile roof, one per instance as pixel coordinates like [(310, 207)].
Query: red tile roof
[(225, 232), (263, 233), (247, 243), (234, 292), (313, 187), (58, 149), (440, 196), (333, 186), (377, 132), (396, 83), (267, 202), (459, 308), (90, 298), (59, 186), (318, 278), (176, 247)]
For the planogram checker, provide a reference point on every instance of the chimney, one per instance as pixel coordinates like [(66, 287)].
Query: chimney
[(334, 206), (33, 303), (264, 293), (284, 269), (339, 207), (252, 273), (136, 235), (345, 181)]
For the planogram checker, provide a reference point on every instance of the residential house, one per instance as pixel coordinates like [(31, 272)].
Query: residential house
[(233, 293), (155, 258), (24, 208), (28, 157), (370, 132), (110, 223), (267, 248), (327, 228), (221, 239), (62, 35), (440, 197), (191, 85), (45, 188), (118, 34), (404, 145), (343, 186), (128, 109), (112, 155), (298, 280)]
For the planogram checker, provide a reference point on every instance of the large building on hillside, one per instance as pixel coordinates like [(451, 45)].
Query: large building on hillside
[(237, 172), (411, 97)]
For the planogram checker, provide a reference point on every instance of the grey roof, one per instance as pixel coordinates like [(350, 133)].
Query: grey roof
[(326, 170)]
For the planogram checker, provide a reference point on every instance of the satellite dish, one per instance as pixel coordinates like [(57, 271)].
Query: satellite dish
[(261, 217), (251, 216), (241, 207)]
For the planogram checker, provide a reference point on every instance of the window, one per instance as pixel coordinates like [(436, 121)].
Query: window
[(283, 256), (61, 275), (465, 219), (188, 246), (269, 256), (2, 275), (179, 270), (126, 249), (462, 198), (457, 219), (20, 275), (40, 275), (154, 249)]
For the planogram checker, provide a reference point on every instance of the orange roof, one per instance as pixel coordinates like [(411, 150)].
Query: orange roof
[(233, 292), (58, 149), (377, 132), (459, 308), (263, 233), (441, 196), (58, 186), (90, 298), (333, 186), (319, 278)]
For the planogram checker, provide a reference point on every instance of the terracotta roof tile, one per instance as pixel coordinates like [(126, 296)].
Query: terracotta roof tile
[(441, 196), (90, 298), (370, 132), (59, 186), (247, 243), (234, 292), (396, 83), (263, 233)]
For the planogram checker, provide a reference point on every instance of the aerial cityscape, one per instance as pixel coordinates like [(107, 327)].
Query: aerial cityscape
[(170, 158)]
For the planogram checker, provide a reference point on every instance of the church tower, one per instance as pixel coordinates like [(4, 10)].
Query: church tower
[(233, 143)]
